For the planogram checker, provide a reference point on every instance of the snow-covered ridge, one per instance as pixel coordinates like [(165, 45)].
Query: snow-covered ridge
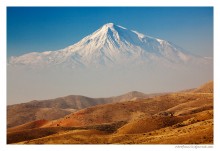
[(108, 46)]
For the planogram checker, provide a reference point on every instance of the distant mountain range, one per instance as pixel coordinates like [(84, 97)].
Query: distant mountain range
[(109, 46)]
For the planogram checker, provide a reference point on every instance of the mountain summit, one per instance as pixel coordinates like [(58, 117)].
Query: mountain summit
[(110, 45)]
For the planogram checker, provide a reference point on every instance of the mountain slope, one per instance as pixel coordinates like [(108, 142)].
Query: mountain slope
[(127, 111), (18, 114), (108, 46), (206, 88)]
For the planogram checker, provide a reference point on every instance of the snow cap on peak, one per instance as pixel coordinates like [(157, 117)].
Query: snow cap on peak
[(112, 26), (109, 25)]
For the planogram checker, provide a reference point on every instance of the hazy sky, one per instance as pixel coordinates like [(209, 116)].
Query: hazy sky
[(52, 28)]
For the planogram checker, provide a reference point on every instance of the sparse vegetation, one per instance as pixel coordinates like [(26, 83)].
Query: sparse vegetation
[(178, 118)]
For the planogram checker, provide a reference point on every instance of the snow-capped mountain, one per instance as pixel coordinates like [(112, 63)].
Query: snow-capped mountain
[(110, 61), (108, 46)]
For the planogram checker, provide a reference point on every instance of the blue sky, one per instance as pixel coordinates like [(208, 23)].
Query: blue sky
[(52, 28)]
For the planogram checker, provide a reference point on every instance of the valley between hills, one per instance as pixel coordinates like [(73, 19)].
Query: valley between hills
[(184, 117)]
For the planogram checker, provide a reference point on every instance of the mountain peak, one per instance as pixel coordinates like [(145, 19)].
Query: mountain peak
[(109, 25), (109, 45), (106, 28), (112, 26)]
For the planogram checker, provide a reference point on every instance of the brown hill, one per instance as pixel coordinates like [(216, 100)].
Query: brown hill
[(125, 111), (56, 108), (17, 134), (191, 129), (148, 124), (177, 118), (206, 88), (133, 95), (29, 125), (20, 114), (196, 133), (29, 134)]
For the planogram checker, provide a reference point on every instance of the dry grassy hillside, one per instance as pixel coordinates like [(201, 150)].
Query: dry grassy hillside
[(206, 88), (56, 108), (177, 118), (17, 115), (29, 125), (126, 111)]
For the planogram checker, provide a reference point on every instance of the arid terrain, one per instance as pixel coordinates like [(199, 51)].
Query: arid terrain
[(184, 117), (51, 109)]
